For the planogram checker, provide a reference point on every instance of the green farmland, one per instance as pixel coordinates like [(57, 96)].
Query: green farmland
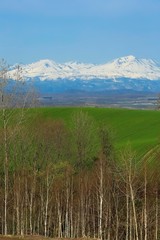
[(139, 128)]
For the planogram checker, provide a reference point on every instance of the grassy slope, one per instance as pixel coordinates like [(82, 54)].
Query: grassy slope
[(140, 128)]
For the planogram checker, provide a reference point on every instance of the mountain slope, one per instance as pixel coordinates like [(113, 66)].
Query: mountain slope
[(126, 73), (125, 67)]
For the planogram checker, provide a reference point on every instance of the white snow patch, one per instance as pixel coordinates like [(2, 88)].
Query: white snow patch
[(124, 67)]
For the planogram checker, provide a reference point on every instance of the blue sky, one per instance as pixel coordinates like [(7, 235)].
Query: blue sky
[(80, 30)]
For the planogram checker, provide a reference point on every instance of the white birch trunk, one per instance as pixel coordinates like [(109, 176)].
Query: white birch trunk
[(134, 209), (127, 214), (5, 170), (156, 217), (101, 199), (145, 204), (46, 205)]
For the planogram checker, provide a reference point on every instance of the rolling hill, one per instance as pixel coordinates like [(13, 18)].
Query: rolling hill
[(139, 128)]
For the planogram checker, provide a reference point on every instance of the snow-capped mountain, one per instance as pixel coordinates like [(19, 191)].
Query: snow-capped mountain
[(120, 74), (125, 67)]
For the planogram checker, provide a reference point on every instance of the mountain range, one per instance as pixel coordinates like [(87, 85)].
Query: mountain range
[(125, 73)]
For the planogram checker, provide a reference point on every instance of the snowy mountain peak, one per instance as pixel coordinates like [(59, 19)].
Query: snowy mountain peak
[(130, 57), (43, 63), (126, 59), (129, 60), (124, 67)]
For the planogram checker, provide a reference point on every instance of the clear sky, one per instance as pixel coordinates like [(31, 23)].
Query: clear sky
[(80, 30)]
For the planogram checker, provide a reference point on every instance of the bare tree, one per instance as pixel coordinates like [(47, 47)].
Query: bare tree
[(84, 142), (13, 101), (129, 176), (158, 102)]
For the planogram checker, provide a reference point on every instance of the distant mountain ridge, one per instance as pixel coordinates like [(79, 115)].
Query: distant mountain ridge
[(125, 73), (124, 67)]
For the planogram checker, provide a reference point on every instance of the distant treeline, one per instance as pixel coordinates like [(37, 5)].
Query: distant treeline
[(70, 182)]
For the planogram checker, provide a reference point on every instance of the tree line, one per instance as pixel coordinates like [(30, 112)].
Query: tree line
[(62, 182)]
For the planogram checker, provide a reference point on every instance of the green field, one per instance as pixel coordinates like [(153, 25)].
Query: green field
[(139, 128)]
